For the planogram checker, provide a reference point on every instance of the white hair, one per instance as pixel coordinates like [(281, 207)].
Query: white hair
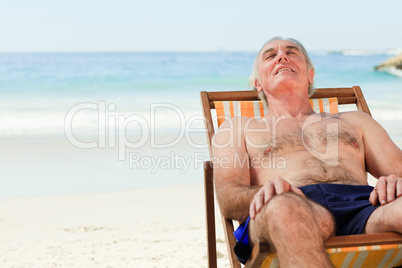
[(256, 75)]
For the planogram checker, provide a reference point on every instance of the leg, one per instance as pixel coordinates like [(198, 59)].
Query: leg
[(296, 228), (387, 218)]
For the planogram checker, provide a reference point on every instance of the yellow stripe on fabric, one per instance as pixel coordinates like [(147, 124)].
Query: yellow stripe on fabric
[(387, 257), (374, 258), (370, 256), (271, 261), (350, 249), (397, 259), (338, 258), (392, 258)]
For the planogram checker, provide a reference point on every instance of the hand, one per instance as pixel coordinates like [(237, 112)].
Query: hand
[(387, 189), (269, 190)]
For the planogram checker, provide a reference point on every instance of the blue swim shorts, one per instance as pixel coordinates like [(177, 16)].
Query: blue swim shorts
[(349, 204)]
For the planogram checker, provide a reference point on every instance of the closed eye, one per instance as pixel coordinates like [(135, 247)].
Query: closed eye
[(269, 56)]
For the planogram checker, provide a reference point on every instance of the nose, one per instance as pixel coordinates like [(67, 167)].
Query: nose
[(281, 56)]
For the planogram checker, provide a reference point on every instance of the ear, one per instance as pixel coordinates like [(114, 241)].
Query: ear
[(257, 85), (311, 76)]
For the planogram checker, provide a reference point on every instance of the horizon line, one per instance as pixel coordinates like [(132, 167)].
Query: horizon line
[(319, 51)]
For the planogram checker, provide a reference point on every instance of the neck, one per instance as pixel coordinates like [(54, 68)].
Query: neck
[(291, 105)]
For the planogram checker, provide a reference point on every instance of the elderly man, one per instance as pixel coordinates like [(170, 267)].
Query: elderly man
[(297, 177)]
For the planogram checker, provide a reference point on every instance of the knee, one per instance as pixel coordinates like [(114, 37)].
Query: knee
[(285, 209), (395, 218), (294, 214)]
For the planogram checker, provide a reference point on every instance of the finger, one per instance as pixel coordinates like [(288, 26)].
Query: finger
[(297, 191), (259, 201), (399, 187), (269, 192), (382, 190), (373, 197), (281, 186), (391, 188), (252, 211)]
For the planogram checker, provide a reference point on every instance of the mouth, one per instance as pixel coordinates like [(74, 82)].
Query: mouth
[(284, 69)]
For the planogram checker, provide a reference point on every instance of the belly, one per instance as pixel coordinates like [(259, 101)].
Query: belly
[(301, 168)]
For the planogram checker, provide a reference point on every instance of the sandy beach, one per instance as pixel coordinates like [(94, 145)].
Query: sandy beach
[(159, 227), (63, 206)]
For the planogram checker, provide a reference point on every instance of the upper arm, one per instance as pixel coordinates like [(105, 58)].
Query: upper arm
[(382, 156), (230, 157)]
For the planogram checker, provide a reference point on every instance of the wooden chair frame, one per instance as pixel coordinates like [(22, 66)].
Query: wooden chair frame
[(352, 95)]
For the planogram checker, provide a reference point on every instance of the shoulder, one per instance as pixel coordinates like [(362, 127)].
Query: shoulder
[(359, 119), (238, 123), (232, 130), (355, 115), (373, 133)]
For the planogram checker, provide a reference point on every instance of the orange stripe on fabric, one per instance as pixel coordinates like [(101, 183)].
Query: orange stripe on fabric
[(261, 109), (389, 246), (220, 112), (349, 249), (321, 105), (333, 105), (247, 108)]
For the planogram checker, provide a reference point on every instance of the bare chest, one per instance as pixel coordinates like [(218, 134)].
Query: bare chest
[(320, 138)]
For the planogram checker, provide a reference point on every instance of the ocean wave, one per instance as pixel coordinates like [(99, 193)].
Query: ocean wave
[(92, 119), (391, 70)]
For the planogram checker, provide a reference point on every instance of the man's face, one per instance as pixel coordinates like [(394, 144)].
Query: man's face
[(282, 64)]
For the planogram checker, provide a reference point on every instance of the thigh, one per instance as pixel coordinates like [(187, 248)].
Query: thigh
[(295, 212), (387, 218)]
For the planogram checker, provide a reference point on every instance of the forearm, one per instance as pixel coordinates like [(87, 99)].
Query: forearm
[(234, 200)]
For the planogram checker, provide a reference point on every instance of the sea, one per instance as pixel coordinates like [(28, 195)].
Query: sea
[(89, 100)]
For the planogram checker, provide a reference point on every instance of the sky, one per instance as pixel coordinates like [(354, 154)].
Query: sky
[(201, 25)]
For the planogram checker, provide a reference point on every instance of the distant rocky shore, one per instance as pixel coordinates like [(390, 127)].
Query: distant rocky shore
[(394, 62)]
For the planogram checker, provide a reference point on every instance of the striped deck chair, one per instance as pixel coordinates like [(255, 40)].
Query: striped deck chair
[(256, 109), (378, 250)]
